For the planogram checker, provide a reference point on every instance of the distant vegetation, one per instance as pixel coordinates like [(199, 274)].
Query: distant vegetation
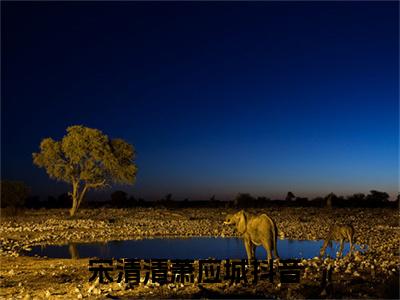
[(14, 194), (87, 159)]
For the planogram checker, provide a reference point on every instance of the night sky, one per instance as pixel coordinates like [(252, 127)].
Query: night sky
[(217, 98)]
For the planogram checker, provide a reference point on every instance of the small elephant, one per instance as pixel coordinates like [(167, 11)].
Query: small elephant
[(338, 233), (255, 231)]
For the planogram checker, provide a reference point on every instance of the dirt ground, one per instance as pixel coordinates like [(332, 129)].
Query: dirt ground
[(371, 274)]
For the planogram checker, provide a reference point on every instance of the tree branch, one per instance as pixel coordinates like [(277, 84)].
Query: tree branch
[(82, 194), (96, 185)]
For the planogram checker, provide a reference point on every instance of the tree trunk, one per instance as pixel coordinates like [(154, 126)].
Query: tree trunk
[(80, 198), (77, 198), (75, 201), (74, 208)]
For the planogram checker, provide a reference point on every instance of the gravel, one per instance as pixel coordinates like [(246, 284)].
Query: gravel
[(377, 228)]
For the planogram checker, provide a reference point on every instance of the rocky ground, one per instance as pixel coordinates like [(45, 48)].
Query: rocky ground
[(373, 274)]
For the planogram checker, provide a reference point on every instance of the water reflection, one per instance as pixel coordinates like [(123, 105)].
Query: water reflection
[(73, 251), (190, 248)]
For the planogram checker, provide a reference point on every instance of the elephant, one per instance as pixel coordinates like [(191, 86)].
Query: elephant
[(255, 231), (338, 233)]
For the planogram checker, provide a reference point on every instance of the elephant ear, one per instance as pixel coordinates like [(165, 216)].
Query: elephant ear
[(242, 224)]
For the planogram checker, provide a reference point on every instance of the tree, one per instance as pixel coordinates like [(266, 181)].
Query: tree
[(244, 200), (263, 201), (301, 201), (132, 202), (377, 198), (357, 199), (290, 196), (119, 199), (167, 198), (13, 193), (330, 199), (33, 202), (63, 200), (87, 159)]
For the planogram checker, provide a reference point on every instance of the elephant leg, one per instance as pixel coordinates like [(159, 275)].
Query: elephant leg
[(351, 247), (276, 250), (253, 251), (248, 246), (267, 246), (341, 248), (351, 244), (321, 252)]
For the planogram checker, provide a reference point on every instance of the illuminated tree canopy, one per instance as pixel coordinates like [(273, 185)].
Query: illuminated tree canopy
[(87, 159)]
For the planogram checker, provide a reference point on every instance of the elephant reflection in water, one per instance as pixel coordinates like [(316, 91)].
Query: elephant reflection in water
[(255, 231), (73, 251)]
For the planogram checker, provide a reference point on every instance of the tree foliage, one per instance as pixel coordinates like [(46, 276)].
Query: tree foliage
[(378, 197), (87, 159), (243, 200)]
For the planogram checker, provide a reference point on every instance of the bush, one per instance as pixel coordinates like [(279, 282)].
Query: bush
[(13, 195)]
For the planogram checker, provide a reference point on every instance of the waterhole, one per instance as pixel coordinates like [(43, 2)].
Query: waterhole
[(183, 248)]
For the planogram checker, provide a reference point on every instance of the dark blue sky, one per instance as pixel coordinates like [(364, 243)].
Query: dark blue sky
[(217, 98)]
